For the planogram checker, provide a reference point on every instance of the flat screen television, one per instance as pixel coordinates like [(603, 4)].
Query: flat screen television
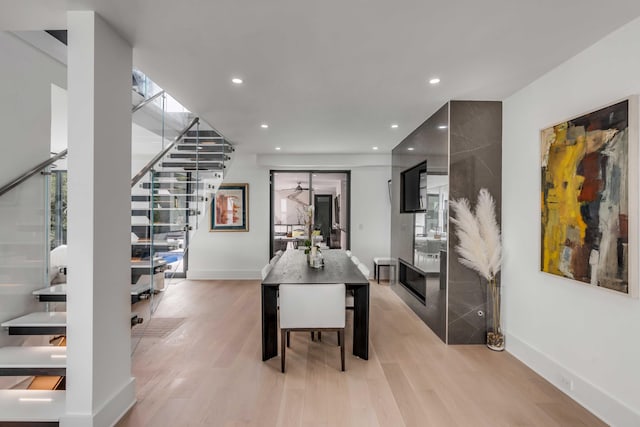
[(413, 189)]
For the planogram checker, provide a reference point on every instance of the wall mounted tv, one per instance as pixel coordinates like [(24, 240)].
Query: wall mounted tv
[(413, 189)]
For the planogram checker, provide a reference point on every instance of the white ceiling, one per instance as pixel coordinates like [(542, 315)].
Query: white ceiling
[(331, 76)]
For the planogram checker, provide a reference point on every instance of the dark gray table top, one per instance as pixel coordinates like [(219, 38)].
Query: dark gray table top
[(292, 267)]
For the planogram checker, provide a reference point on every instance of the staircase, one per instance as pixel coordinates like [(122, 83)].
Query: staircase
[(169, 202), (170, 199)]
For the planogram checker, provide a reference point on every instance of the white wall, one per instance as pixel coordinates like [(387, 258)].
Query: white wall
[(236, 255), (239, 255), (370, 213), (567, 331), (59, 106)]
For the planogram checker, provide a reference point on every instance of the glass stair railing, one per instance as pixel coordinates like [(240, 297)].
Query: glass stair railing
[(170, 200), (32, 364)]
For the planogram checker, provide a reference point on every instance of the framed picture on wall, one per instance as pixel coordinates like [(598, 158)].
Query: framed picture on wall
[(230, 208), (589, 216)]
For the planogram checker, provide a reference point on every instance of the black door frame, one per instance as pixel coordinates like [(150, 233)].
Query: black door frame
[(345, 227)]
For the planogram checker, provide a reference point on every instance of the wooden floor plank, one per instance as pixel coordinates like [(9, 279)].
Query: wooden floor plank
[(209, 372)]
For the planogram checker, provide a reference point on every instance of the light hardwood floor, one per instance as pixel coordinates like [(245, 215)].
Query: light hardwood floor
[(209, 372)]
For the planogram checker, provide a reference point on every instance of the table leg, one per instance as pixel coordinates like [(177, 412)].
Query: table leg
[(269, 322), (361, 322)]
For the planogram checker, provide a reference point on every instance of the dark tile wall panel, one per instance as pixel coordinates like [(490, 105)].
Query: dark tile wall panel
[(475, 163)]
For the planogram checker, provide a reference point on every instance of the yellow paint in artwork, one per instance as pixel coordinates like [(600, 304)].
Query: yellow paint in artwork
[(561, 209)]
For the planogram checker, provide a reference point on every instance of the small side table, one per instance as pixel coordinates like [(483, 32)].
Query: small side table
[(383, 262)]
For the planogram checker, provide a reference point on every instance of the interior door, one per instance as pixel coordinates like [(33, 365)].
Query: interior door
[(322, 215)]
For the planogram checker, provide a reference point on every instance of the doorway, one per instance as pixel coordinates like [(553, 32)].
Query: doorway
[(322, 218), (308, 203)]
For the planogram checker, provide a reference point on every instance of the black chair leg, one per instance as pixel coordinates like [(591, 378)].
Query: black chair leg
[(288, 338), (341, 339), (319, 336), (283, 349), (313, 336)]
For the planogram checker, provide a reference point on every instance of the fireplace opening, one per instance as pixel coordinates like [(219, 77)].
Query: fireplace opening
[(413, 279)]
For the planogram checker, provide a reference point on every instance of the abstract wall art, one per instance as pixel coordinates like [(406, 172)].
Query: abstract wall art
[(230, 208), (586, 204)]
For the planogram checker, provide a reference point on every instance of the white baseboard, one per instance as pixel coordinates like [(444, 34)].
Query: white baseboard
[(593, 398), (224, 274), (109, 414)]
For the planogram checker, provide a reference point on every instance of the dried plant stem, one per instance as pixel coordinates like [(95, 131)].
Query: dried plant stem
[(495, 299), (495, 339)]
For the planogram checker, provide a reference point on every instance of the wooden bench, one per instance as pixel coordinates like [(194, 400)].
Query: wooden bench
[(383, 262)]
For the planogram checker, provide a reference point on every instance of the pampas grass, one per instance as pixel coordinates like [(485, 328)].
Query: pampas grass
[(480, 248), (480, 245)]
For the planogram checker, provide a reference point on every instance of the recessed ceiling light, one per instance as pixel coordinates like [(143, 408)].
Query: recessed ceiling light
[(277, 148), (434, 81), (374, 148), (442, 127), (394, 126), (410, 148), (264, 126), (236, 80)]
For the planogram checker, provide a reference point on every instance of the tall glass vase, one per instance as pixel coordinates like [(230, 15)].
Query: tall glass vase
[(495, 338)]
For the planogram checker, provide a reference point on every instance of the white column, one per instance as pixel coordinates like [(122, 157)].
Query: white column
[(99, 383)]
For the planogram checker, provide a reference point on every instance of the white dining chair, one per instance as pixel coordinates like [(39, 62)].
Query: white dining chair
[(355, 260), (279, 253), (349, 300), (265, 270), (364, 270), (275, 259), (312, 307), (58, 265), (348, 253)]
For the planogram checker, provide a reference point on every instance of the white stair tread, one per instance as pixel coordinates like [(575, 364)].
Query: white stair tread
[(155, 242), (38, 319), (52, 290), (140, 288), (62, 290), (31, 405), (158, 262), (33, 357)]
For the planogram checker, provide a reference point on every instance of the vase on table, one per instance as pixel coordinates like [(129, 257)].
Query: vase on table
[(495, 337)]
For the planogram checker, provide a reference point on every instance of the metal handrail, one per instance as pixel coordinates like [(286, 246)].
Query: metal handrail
[(146, 101), (39, 167), (161, 154)]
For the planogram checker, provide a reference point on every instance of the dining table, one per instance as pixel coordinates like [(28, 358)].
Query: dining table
[(293, 268)]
